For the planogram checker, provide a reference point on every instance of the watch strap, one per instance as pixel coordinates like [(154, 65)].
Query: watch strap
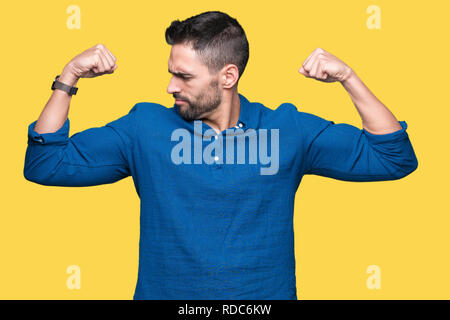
[(64, 87)]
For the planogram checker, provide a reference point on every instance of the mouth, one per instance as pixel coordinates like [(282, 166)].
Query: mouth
[(180, 101)]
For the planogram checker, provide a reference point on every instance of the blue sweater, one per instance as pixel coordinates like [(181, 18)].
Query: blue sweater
[(216, 217)]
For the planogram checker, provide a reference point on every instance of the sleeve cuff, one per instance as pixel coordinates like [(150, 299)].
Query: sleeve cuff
[(57, 137), (388, 137)]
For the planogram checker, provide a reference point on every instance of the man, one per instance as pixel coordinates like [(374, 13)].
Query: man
[(216, 221)]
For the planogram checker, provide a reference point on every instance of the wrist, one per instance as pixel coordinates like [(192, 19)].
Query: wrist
[(348, 77), (68, 76)]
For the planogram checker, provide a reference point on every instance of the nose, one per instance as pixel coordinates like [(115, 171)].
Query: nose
[(173, 86)]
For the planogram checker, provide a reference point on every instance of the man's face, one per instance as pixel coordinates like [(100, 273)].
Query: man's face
[(195, 90)]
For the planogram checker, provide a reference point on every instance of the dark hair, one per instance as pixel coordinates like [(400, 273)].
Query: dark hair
[(217, 38)]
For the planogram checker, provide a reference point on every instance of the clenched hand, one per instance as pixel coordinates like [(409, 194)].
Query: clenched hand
[(93, 62), (323, 66)]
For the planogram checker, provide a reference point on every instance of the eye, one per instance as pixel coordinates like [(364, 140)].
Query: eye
[(182, 77)]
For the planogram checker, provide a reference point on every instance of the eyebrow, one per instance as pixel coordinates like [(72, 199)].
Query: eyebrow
[(180, 73)]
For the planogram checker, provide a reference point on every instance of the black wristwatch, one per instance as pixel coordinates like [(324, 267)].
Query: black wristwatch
[(64, 87)]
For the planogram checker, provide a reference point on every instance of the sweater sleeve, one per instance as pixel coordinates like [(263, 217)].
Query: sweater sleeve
[(95, 156), (344, 152)]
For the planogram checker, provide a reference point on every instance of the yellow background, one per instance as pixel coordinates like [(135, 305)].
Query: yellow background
[(340, 227)]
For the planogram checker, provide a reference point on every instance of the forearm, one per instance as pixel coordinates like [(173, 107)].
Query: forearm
[(56, 110), (376, 117)]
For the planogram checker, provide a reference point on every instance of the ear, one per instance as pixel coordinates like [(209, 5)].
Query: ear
[(229, 75)]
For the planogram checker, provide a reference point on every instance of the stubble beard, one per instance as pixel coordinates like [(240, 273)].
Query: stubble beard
[(207, 101)]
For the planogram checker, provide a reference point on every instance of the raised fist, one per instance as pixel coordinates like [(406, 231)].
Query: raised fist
[(93, 62), (323, 66)]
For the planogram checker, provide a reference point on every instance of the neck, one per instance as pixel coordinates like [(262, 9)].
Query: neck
[(227, 113)]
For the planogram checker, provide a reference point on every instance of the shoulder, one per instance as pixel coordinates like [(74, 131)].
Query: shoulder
[(304, 120), (291, 118), (287, 110), (291, 110), (287, 113), (282, 113), (146, 107), (142, 114), (151, 111), (156, 116)]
